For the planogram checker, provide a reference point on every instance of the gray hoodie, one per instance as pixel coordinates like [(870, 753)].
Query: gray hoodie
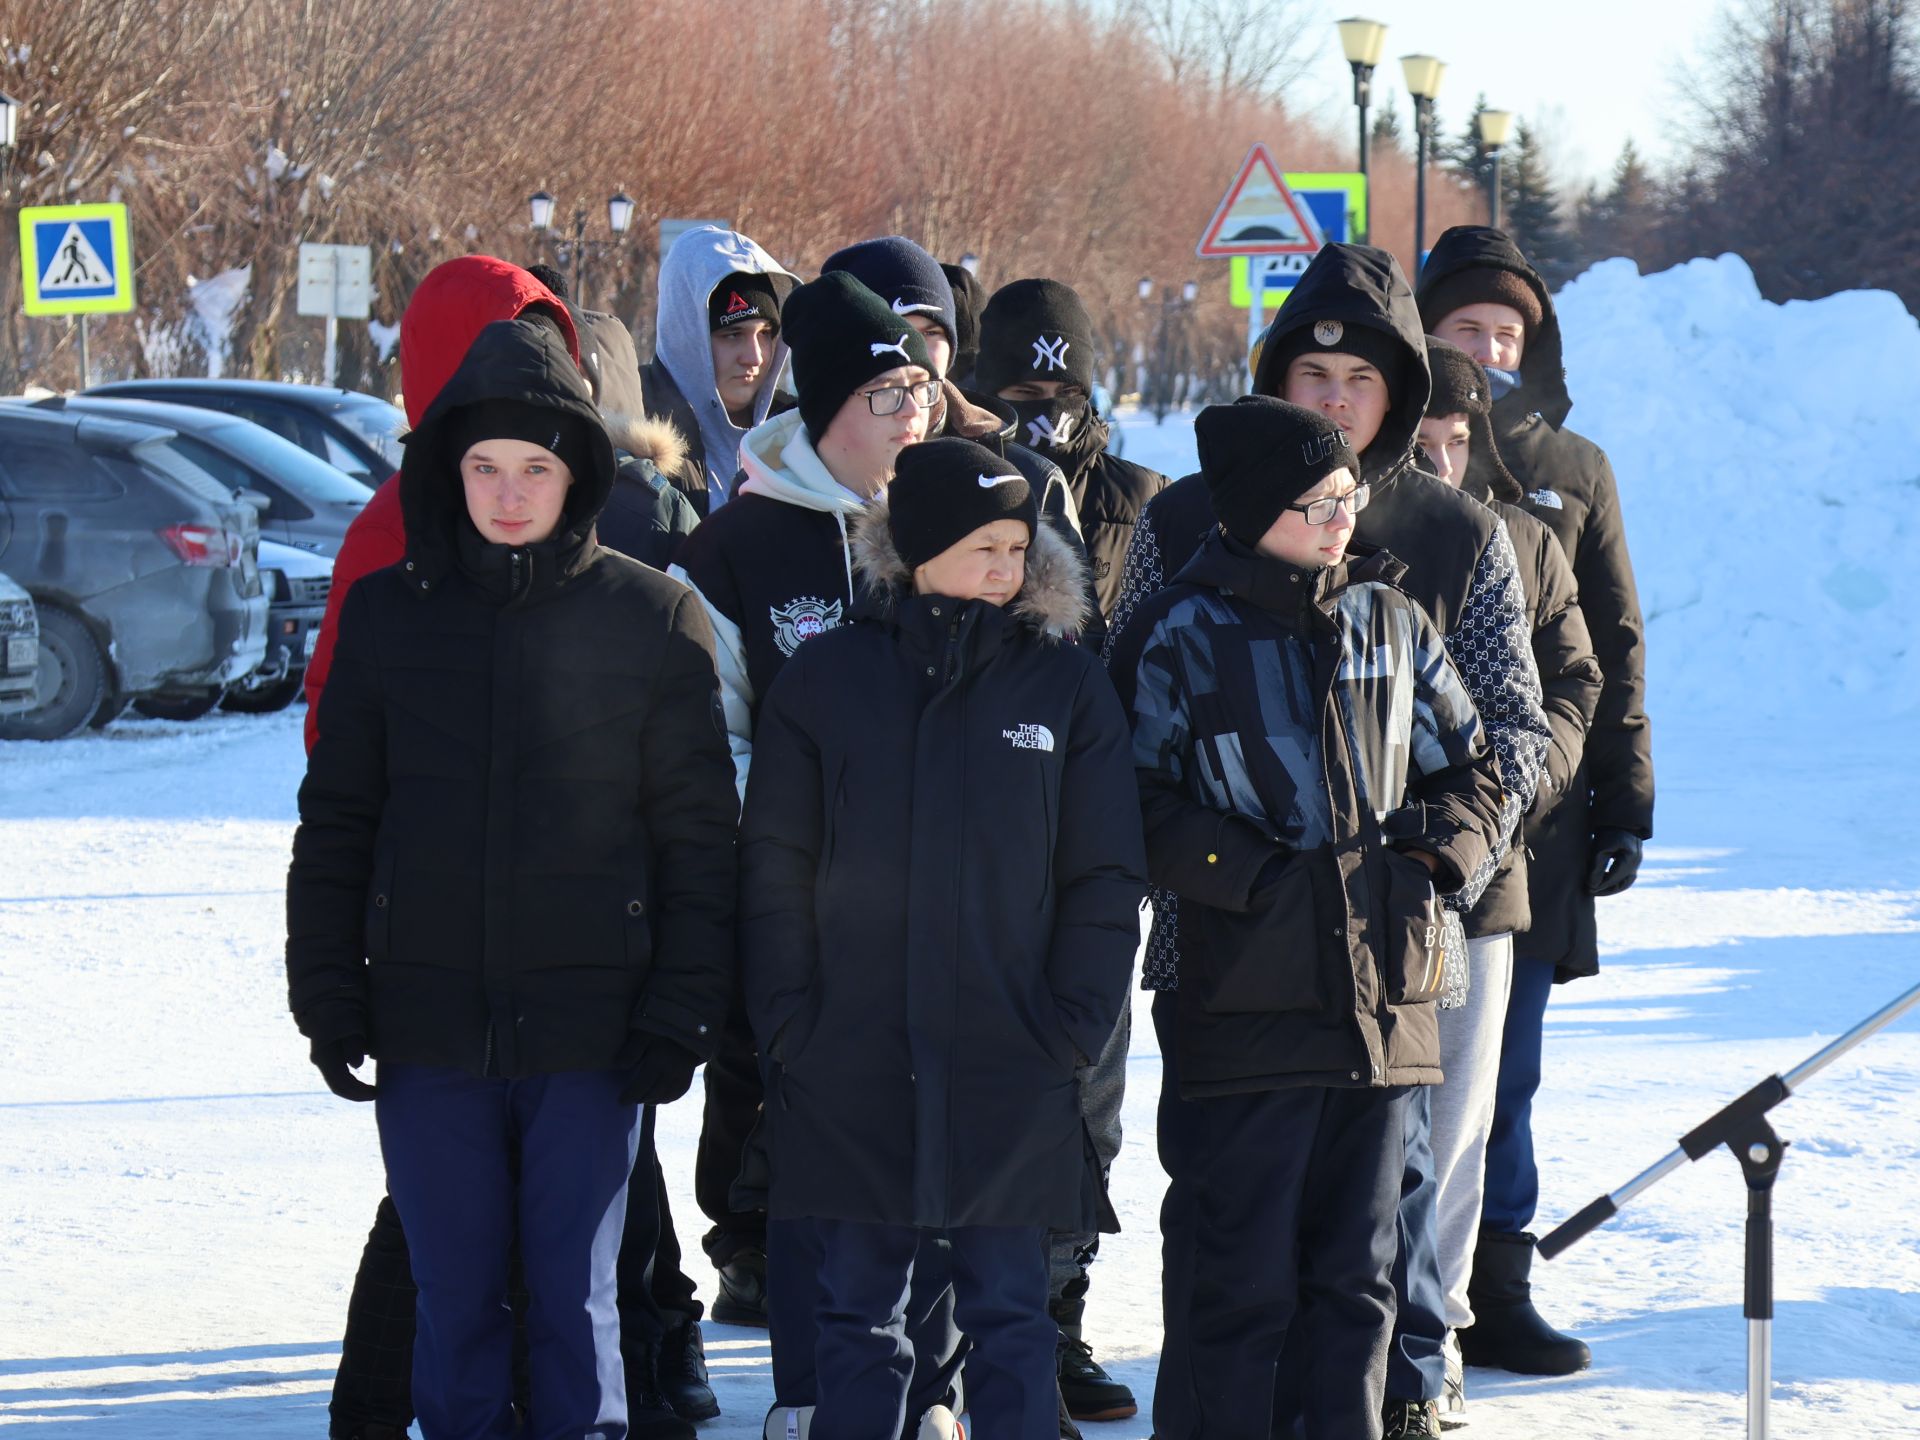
[(699, 260)]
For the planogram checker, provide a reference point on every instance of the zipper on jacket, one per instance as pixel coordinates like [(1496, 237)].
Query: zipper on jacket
[(952, 666), (519, 573)]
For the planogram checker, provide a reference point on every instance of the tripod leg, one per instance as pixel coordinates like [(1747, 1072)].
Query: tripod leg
[(1758, 1149)]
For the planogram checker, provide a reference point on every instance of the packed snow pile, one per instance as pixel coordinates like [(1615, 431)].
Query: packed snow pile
[(1769, 466)]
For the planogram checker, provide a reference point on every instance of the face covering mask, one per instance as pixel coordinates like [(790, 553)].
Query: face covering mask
[(1053, 427), (1501, 382)]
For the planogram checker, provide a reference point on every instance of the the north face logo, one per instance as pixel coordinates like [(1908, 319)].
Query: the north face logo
[(802, 619), (1546, 500), (1029, 737)]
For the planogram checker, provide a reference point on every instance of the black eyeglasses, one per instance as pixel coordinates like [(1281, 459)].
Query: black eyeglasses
[(1319, 512), (889, 399)]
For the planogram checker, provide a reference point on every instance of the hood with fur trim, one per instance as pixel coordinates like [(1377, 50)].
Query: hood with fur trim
[(646, 438), (1053, 596)]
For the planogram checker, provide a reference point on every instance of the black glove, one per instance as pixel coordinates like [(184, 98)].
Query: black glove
[(661, 1072), (336, 1060), (1613, 863)]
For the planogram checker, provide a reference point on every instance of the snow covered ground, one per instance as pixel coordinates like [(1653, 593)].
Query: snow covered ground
[(182, 1204)]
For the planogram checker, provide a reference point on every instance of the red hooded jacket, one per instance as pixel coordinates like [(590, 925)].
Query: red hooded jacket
[(448, 310)]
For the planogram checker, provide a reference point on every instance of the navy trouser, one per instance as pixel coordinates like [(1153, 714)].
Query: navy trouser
[(1513, 1181), (795, 1253), (1283, 1202), (1417, 1362), (447, 1137), (866, 1364)]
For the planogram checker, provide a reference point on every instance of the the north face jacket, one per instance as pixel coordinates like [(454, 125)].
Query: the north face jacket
[(516, 838), (452, 305), (941, 872), (1294, 732), (1570, 488), (1460, 563), (678, 381)]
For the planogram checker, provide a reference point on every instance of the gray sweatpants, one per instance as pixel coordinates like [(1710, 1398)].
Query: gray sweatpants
[(1103, 1086), (1463, 1113)]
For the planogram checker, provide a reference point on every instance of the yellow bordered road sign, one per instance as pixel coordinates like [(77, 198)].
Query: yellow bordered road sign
[(76, 259)]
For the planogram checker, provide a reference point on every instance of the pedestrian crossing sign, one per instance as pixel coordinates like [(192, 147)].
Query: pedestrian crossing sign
[(76, 259)]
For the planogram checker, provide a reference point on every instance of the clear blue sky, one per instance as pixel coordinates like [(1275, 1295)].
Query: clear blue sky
[(1593, 75)]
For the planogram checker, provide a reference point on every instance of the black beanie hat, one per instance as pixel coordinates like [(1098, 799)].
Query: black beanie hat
[(969, 299), (1034, 330), (841, 335), (742, 296), (1259, 455), (1459, 384), (567, 435), (1460, 388), (1482, 285), (1335, 337), (944, 490), (902, 274)]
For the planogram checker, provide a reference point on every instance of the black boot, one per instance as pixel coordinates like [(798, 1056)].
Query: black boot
[(649, 1414), (1088, 1392), (1406, 1419), (683, 1372), (1507, 1332), (1068, 1430), (743, 1290)]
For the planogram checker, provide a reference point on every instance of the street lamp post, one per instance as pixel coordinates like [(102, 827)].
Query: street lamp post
[(1423, 74), (1363, 41), (1495, 127), (573, 251), (1173, 311)]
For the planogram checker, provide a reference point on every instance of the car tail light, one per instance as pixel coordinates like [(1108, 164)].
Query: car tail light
[(202, 545)]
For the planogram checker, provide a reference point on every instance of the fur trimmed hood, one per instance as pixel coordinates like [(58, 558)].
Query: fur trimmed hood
[(647, 438), (1052, 599)]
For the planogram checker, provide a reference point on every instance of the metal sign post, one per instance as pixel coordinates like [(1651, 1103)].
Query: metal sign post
[(1743, 1128), (336, 282)]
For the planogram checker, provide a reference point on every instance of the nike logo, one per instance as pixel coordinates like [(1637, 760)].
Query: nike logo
[(900, 307), (987, 482)]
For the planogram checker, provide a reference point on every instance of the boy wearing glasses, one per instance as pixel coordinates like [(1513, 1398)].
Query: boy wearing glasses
[(1313, 779)]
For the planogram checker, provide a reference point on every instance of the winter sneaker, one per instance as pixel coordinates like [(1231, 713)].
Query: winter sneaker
[(1068, 1430), (1411, 1418), (683, 1373), (788, 1422), (1507, 1332), (649, 1414), (939, 1423), (743, 1290), (1088, 1392), (1453, 1401)]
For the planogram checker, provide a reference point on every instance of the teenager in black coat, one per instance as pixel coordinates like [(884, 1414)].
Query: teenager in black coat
[(512, 880), (941, 874)]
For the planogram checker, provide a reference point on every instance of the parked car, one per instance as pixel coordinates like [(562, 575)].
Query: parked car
[(19, 648), (357, 433), (296, 582), (308, 502), (144, 569)]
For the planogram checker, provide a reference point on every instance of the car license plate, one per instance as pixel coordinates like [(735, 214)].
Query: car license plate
[(23, 653), (313, 639)]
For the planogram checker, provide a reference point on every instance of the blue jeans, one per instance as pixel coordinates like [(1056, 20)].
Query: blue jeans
[(447, 1137), (1513, 1181)]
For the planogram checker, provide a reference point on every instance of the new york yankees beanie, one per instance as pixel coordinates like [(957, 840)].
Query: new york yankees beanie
[(1034, 330), (841, 335), (902, 274), (944, 490), (1259, 455)]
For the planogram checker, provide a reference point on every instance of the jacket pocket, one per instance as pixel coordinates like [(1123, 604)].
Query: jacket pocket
[(1266, 960), (1414, 940)]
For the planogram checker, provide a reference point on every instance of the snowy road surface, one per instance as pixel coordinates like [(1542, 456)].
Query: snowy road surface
[(182, 1204)]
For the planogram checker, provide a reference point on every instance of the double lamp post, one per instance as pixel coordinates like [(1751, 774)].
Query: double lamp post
[(572, 250)]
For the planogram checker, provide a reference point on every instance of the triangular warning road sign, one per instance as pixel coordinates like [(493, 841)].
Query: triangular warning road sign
[(1260, 216), (74, 265)]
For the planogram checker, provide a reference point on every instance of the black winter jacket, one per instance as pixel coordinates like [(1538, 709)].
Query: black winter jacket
[(1294, 730), (516, 838), (1460, 564), (646, 516), (1570, 488), (1109, 493), (941, 871)]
